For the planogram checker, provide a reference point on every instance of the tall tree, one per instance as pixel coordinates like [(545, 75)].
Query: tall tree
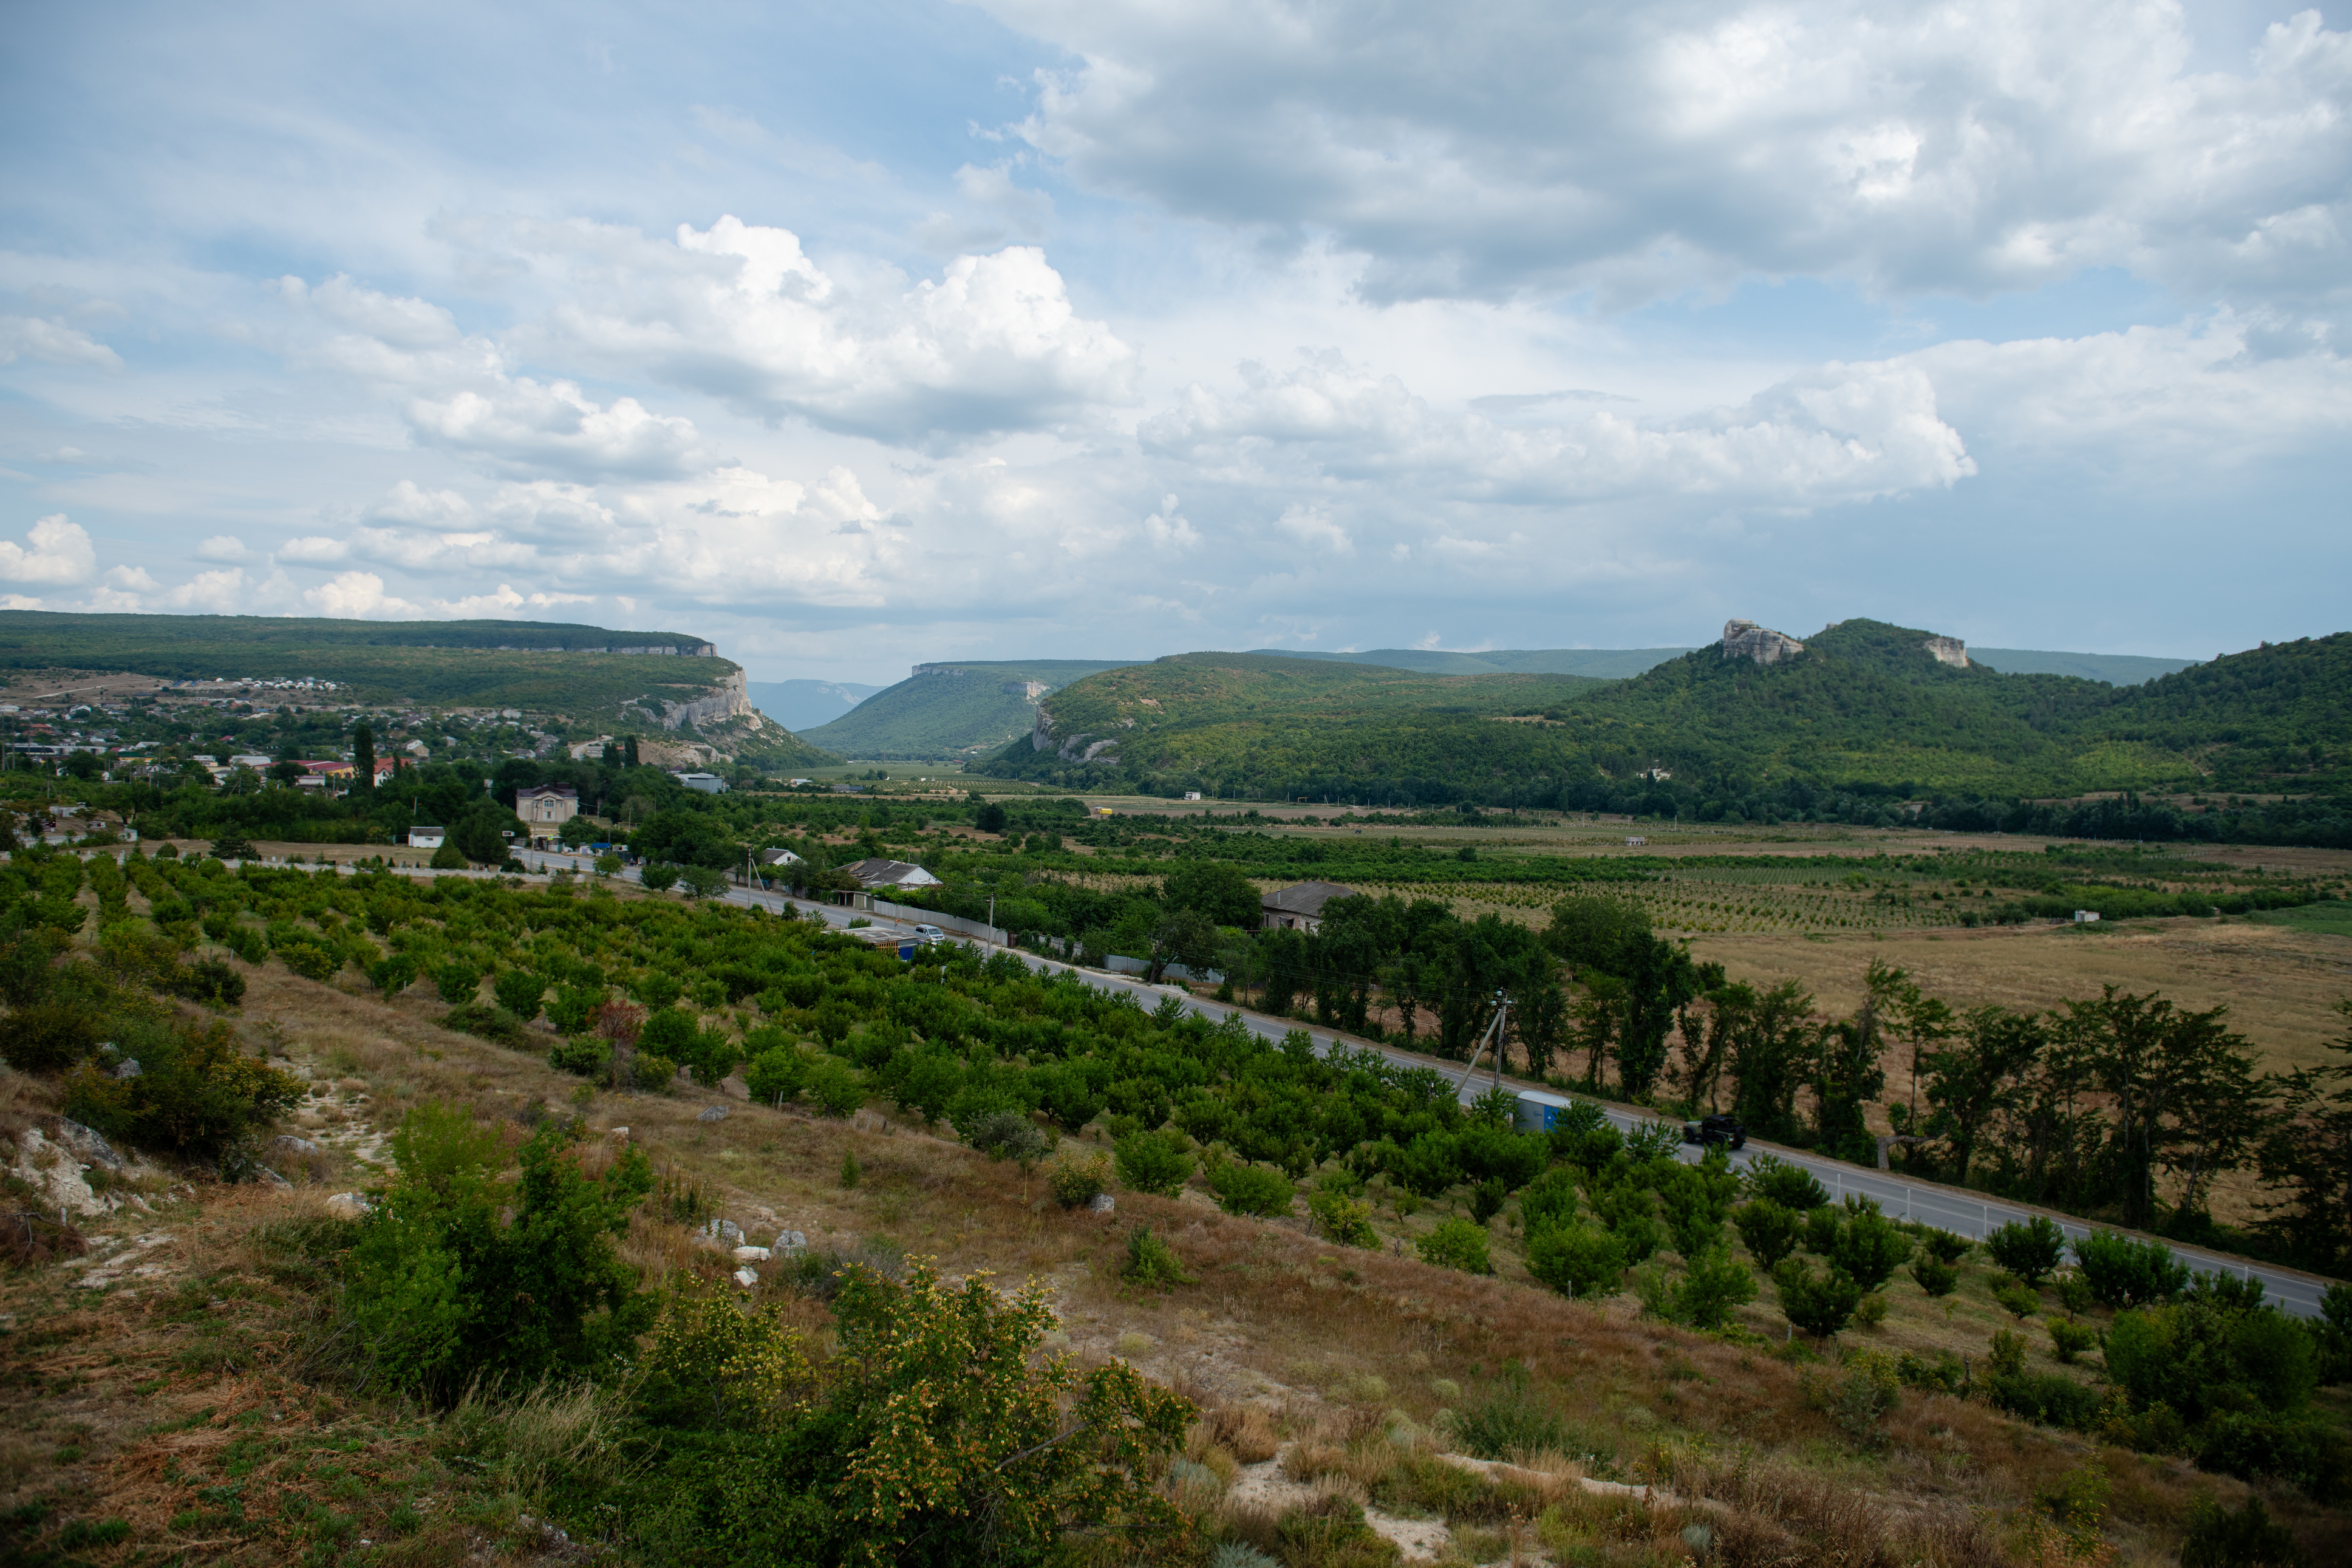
[(1768, 1053), (2307, 1159), (1971, 1077), (2165, 1068), (363, 761)]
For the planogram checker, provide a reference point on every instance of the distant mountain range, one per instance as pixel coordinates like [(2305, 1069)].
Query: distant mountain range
[(804, 704)]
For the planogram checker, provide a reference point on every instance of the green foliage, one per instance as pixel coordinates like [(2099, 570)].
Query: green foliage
[(1713, 1286), (1769, 1229), (1934, 1276), (196, 1094), (658, 877), (777, 1074), (1076, 1179), (1579, 1260), (1152, 1163), (2019, 1299), (1942, 1246), (519, 992), (584, 1055), (2122, 1272), (1820, 1304), (456, 982), (1152, 1262), (441, 1289), (49, 1038), (2069, 1339), (1511, 1421), (2032, 1248), (447, 857), (1009, 1135), (652, 1072), (1343, 1220), (2218, 1538), (1456, 1244), (1248, 1189), (711, 1054)]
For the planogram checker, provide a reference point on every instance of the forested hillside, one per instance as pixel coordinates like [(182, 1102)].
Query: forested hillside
[(951, 710), (1865, 713)]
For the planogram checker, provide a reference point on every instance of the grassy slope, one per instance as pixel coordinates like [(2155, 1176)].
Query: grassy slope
[(1604, 663), (202, 1415), (958, 708)]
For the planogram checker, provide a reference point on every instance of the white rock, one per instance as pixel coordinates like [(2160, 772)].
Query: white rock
[(712, 1113), (1102, 1203), (791, 1241), (293, 1145), (351, 1206), (620, 1132), (746, 1278), (751, 1255)]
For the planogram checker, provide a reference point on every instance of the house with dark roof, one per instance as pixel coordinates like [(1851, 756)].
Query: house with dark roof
[(1300, 906), (885, 876)]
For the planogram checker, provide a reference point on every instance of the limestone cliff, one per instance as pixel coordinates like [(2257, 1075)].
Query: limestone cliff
[(1746, 639), (1947, 651), (727, 699)]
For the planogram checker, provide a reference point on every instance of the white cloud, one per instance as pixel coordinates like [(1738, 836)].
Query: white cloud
[(19, 602), (358, 595), (221, 593), (55, 550), (739, 311), (52, 343), (313, 549), (226, 547), (130, 579), (1312, 526), (1525, 145), (1845, 433)]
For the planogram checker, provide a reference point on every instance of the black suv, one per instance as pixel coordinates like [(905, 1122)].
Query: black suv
[(1710, 1130)]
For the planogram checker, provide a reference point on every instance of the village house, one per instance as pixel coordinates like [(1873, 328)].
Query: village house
[(887, 876), (1300, 906)]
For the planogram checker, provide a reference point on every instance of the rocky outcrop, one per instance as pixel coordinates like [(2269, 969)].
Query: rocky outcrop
[(1746, 639), (727, 699), (1071, 748), (1947, 651)]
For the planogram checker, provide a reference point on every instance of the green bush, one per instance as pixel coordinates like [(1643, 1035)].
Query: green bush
[(1456, 1244), (1820, 1304), (2031, 1249), (710, 1055), (835, 1087), (1009, 1135), (196, 1094), (2069, 1339), (1152, 1163), (48, 1038), (1548, 1203), (1579, 1260), (1247, 1189), (2019, 1299), (456, 982), (311, 959), (1934, 1276), (1343, 1220), (1152, 1262), (653, 1072), (1791, 1186), (1510, 1422), (1942, 1244), (573, 1008), (1868, 1247), (1714, 1287), (2044, 1396), (205, 980), (670, 1031), (448, 857), (776, 1075), (2008, 1352), (1076, 1179), (486, 1021), (659, 877), (442, 1290), (583, 1053), (2122, 1272), (1769, 1229), (519, 992), (2246, 1539)]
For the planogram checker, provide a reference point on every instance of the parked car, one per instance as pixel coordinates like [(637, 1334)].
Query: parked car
[(1710, 1131), (930, 934)]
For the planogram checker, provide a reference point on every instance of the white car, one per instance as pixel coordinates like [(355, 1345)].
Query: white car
[(930, 934)]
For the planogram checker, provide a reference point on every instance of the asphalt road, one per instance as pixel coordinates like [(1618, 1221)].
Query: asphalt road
[(1953, 1209)]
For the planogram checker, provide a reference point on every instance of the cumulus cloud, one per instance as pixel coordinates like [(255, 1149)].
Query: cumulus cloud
[(741, 312), (55, 552), (223, 592), (226, 547), (1843, 433), (358, 595), (1968, 145), (52, 343)]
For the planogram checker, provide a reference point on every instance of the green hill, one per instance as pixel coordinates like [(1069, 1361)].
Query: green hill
[(1608, 663), (1865, 706), (952, 710), (532, 665)]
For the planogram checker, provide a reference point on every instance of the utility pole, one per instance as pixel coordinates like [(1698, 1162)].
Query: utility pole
[(1493, 1032)]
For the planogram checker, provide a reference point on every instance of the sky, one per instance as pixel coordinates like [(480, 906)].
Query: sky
[(855, 337)]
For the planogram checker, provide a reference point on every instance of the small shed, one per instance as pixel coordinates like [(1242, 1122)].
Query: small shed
[(1300, 906), (427, 837)]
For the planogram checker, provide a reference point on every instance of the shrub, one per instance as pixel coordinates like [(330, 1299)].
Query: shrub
[(196, 1095), (1870, 1311), (1934, 1276), (442, 1289), (1244, 1188), (2044, 1396), (776, 1075), (1487, 1200), (1820, 1304), (48, 1038), (485, 1021), (2019, 1299), (2008, 1352), (1868, 1247), (1456, 1244), (702, 881), (835, 1086), (1152, 1163), (1152, 1262), (669, 1030), (1769, 1228), (1510, 1422), (2069, 1339), (2313, 1454), (456, 982), (519, 992), (653, 1072), (2031, 1248), (1791, 1186), (1578, 1260), (2246, 1539), (1342, 1219), (583, 1054), (1942, 1244), (710, 1055), (661, 878), (2075, 1293), (2122, 1272), (311, 959), (1076, 1179), (1008, 1135), (1714, 1285), (1872, 1386), (572, 1009), (1548, 1204), (448, 857)]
